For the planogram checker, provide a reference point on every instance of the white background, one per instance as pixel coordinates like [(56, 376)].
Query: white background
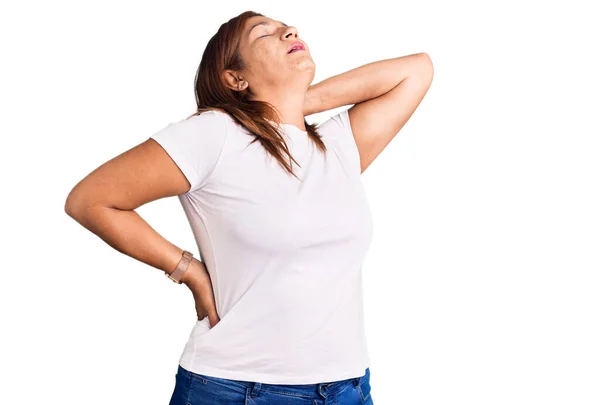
[(482, 280)]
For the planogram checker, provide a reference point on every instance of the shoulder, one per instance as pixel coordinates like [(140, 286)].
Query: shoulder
[(195, 144), (204, 130), (213, 118), (336, 126), (206, 118), (207, 126)]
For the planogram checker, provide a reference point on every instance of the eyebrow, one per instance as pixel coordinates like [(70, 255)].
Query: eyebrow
[(264, 23)]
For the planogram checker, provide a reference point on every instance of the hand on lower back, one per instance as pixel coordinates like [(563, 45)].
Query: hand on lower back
[(198, 281)]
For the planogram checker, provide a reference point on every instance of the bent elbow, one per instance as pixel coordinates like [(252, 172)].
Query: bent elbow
[(75, 204)]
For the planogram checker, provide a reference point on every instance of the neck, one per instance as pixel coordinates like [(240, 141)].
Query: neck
[(289, 104)]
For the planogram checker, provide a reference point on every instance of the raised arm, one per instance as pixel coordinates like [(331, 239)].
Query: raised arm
[(386, 93)]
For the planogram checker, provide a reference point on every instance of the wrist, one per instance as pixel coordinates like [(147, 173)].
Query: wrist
[(186, 278), (181, 270), (190, 277), (311, 101)]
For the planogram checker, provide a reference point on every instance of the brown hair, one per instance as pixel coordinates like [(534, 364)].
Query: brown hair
[(222, 52)]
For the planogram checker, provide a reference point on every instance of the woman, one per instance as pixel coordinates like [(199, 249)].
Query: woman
[(277, 209)]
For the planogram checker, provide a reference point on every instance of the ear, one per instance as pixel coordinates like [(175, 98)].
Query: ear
[(232, 79)]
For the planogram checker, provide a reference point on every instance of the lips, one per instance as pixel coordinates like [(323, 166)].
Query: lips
[(296, 46)]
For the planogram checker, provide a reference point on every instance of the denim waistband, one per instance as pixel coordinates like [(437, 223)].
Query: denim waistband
[(301, 390)]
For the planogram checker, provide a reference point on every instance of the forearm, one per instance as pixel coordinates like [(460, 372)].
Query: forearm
[(127, 232), (364, 82)]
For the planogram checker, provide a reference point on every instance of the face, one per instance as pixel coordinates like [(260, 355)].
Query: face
[(264, 46)]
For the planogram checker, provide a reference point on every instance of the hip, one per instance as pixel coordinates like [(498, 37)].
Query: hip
[(199, 389)]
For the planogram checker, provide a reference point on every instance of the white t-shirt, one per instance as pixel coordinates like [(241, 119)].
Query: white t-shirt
[(285, 257)]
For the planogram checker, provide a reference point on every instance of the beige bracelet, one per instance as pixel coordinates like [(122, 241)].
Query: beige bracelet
[(182, 266)]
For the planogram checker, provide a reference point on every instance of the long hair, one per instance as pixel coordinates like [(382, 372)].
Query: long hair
[(222, 52)]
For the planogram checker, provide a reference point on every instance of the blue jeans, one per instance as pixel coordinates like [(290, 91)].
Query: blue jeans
[(199, 389)]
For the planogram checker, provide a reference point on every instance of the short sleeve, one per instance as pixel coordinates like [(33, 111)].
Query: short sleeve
[(195, 144), (337, 128)]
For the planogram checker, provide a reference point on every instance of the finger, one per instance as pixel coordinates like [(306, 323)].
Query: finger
[(213, 319)]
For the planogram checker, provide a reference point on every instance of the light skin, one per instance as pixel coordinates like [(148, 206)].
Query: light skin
[(271, 73), (385, 94)]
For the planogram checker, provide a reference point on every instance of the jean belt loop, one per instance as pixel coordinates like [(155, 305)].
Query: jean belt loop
[(255, 389)]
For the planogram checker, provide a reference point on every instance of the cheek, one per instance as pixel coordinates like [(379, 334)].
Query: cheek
[(271, 48), (267, 60)]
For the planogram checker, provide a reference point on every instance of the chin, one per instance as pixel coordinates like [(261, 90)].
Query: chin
[(305, 64)]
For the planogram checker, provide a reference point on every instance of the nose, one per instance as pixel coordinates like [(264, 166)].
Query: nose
[(291, 30)]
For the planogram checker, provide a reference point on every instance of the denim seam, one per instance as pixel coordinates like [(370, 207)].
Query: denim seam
[(350, 384), (188, 389), (291, 394), (360, 391)]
